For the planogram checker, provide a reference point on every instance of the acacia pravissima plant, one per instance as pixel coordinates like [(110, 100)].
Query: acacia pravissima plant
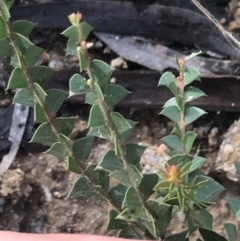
[(142, 204)]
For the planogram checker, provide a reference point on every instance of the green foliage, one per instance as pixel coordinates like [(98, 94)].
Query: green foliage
[(6, 48), (17, 79), (96, 117), (114, 223), (110, 162), (143, 205), (40, 74), (234, 204), (72, 33), (206, 218), (191, 74), (192, 55), (124, 126), (192, 93), (27, 97), (192, 114), (148, 183), (5, 5), (208, 234), (45, 133), (100, 131), (82, 59), (101, 72), (9, 3), (71, 47), (174, 142), (231, 230), (188, 141), (117, 193), (167, 78), (3, 29), (134, 153), (114, 94), (100, 178), (73, 165), (82, 188), (129, 233), (162, 213), (128, 177), (83, 147), (197, 162), (209, 191), (178, 236), (23, 27)]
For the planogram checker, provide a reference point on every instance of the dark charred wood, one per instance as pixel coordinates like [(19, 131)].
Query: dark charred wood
[(166, 24), (215, 7), (223, 93)]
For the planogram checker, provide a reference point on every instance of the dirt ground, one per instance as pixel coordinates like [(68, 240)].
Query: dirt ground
[(33, 190)]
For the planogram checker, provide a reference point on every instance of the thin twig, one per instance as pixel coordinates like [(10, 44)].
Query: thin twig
[(228, 35)]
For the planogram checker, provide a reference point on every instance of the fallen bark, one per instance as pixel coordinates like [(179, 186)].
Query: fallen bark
[(158, 57)]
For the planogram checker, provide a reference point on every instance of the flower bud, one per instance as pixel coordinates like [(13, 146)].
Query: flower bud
[(179, 79), (90, 83), (75, 18), (84, 44), (173, 173), (181, 62)]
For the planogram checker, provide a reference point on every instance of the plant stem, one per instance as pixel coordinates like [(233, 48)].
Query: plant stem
[(238, 231), (115, 136), (181, 92), (103, 193)]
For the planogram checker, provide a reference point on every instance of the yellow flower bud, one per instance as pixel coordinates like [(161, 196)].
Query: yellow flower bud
[(75, 18), (90, 83), (173, 173)]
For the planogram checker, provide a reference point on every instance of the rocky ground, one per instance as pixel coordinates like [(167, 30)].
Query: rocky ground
[(33, 190)]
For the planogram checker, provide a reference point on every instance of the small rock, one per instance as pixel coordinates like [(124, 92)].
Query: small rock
[(162, 149), (117, 63), (113, 80), (145, 129), (212, 137), (56, 64), (154, 158), (49, 170), (74, 209), (107, 50), (163, 132), (180, 216), (12, 182), (98, 44), (227, 150), (47, 193), (57, 194), (202, 131), (89, 45)]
